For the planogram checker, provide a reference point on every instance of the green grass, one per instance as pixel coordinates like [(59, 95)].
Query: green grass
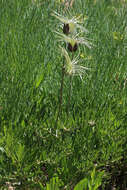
[(93, 135)]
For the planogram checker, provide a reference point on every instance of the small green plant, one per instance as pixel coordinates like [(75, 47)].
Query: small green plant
[(91, 183), (54, 184)]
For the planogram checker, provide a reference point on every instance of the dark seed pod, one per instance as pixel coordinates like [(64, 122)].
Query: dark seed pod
[(75, 47), (72, 48), (66, 29)]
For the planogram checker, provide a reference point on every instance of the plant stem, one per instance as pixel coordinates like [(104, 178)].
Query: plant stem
[(61, 94), (61, 89), (69, 95), (70, 92)]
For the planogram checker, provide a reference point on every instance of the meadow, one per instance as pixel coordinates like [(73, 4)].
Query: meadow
[(85, 148)]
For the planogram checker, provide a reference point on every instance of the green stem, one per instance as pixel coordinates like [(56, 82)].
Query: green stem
[(70, 92)]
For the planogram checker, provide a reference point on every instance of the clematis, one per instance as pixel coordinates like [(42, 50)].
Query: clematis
[(71, 66), (70, 25), (73, 41)]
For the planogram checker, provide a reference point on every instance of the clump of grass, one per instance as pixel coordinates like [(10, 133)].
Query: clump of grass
[(32, 154)]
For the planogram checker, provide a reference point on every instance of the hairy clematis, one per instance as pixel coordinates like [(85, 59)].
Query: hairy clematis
[(71, 66), (73, 41), (70, 25)]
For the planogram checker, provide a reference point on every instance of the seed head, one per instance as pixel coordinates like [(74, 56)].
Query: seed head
[(70, 25), (73, 41), (72, 67), (72, 48), (66, 29)]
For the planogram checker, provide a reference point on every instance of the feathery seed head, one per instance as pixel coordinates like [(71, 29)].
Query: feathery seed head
[(72, 67), (70, 25), (73, 41)]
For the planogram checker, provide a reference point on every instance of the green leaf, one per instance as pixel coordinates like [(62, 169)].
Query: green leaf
[(93, 175), (48, 187), (82, 185), (39, 80), (41, 186), (20, 152)]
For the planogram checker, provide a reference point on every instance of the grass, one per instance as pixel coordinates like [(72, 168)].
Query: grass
[(90, 143)]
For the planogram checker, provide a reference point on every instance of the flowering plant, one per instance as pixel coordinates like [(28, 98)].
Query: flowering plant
[(71, 35)]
